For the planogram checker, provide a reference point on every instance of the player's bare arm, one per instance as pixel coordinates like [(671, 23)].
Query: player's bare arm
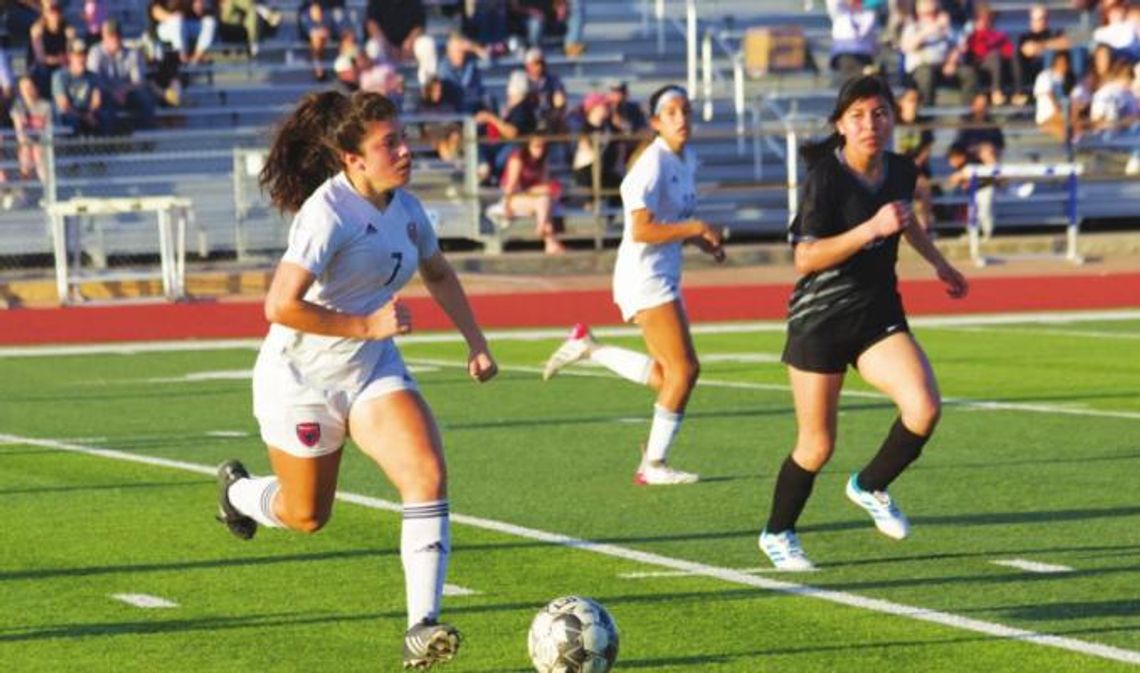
[(441, 281), (285, 304)]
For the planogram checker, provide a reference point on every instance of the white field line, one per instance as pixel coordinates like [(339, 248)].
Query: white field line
[(967, 403), (227, 433), (1055, 317), (725, 574), (1032, 566), (1091, 334), (456, 590), (144, 601)]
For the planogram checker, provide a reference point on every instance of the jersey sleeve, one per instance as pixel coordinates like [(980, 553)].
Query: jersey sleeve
[(639, 189), (814, 218), (313, 240)]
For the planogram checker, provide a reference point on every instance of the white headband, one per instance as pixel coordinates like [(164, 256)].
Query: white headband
[(671, 94)]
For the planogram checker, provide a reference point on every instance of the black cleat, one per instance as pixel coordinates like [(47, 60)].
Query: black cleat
[(239, 524), (429, 643)]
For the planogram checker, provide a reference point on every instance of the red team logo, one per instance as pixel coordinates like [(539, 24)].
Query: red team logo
[(413, 233), (309, 433)]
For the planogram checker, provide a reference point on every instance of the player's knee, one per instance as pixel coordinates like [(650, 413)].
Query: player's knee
[(922, 415), (684, 373), (813, 451), (428, 483)]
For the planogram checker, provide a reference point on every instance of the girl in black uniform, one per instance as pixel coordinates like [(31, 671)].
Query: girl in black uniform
[(846, 310)]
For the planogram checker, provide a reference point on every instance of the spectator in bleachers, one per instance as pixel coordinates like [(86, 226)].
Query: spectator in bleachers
[(595, 152), (854, 39), (1120, 31), (187, 26), (247, 21), (486, 23), (31, 116), (94, 14), (320, 21), (395, 25), (445, 138), (459, 73), (346, 73), (979, 127), (76, 93), (544, 85), (520, 118), (383, 78), (1050, 91), (915, 139), (47, 44), (1114, 105), (932, 57), (626, 116), (7, 82), (528, 190), (533, 18), (991, 51), (961, 13), (575, 44), (1032, 47), (122, 76)]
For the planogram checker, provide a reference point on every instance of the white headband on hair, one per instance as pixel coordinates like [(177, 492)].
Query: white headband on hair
[(671, 94)]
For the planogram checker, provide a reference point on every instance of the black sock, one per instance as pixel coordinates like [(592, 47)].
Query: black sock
[(899, 449), (793, 486)]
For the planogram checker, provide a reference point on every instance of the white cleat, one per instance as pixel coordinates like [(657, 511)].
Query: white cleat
[(576, 348), (888, 519), (783, 549), (663, 475)]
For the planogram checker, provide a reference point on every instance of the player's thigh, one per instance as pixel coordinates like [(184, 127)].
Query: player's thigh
[(816, 399), (399, 433), (665, 329), (898, 367), (307, 484)]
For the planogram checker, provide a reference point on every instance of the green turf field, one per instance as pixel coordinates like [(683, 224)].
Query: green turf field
[(1037, 459)]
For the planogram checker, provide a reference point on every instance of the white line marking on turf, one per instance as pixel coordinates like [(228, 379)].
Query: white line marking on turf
[(1092, 334), (456, 590), (1032, 566), (227, 433), (144, 601), (632, 420), (135, 347), (725, 574), (686, 573), (741, 357)]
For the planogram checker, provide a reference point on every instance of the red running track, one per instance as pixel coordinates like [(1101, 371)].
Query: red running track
[(222, 320)]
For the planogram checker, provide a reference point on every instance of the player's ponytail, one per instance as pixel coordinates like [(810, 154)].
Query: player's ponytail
[(309, 144)]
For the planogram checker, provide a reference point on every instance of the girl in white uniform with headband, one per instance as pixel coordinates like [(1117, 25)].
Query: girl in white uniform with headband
[(659, 198), (329, 368)]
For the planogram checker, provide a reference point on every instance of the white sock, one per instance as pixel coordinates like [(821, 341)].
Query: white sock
[(630, 365), (254, 498), (665, 426), (425, 541)]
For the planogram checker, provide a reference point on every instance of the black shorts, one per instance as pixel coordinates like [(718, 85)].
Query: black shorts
[(830, 346)]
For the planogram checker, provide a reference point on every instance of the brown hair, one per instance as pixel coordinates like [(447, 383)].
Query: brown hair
[(308, 144)]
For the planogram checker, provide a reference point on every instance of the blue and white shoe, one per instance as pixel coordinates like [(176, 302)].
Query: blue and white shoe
[(783, 549), (888, 519)]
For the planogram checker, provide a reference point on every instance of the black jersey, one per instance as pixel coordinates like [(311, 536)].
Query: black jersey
[(833, 201)]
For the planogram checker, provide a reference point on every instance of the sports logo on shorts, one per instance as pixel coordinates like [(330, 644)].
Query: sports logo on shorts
[(309, 433), (413, 232)]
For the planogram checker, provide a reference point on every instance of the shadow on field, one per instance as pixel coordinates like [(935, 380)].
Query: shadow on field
[(45, 573), (1087, 610), (100, 487)]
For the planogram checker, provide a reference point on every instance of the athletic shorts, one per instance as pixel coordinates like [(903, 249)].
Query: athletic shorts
[(305, 421), (648, 293), (830, 346)]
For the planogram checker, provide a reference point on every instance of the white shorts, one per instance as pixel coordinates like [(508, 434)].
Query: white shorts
[(307, 422), (648, 293)]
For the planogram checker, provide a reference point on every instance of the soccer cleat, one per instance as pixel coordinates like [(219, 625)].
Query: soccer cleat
[(888, 519), (239, 524), (662, 475), (576, 347), (429, 643), (783, 549)]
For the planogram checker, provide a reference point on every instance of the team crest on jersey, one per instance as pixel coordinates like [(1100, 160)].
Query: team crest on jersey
[(413, 232), (309, 433)]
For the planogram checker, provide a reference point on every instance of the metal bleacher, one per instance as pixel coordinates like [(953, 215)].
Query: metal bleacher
[(233, 103)]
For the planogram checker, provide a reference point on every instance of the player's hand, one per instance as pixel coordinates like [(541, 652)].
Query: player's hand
[(710, 241), (956, 285), (391, 319), (481, 366), (892, 218)]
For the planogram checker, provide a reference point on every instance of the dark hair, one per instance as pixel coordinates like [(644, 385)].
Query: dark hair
[(308, 144), (854, 89)]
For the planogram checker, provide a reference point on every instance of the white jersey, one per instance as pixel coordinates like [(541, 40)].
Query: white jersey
[(665, 184), (361, 256)]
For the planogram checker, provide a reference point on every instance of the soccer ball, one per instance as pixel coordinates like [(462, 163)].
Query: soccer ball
[(573, 634)]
